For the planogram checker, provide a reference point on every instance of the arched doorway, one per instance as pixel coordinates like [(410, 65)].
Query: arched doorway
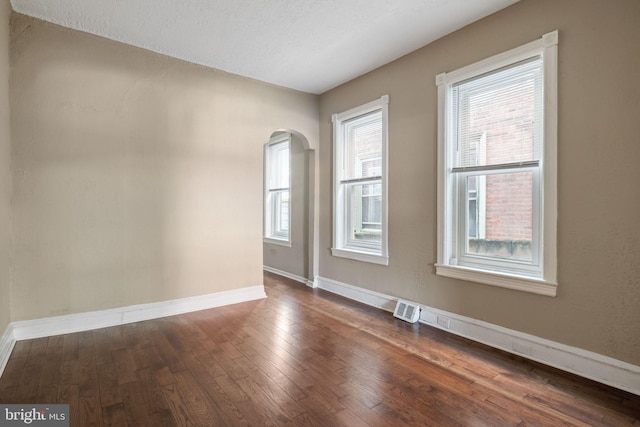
[(296, 258)]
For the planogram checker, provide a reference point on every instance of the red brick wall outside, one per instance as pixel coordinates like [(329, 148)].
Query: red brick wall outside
[(509, 207), (509, 128)]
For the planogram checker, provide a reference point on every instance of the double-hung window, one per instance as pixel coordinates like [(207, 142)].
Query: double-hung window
[(360, 182), (497, 131), (277, 207)]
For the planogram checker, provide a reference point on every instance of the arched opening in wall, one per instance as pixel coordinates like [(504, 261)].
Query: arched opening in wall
[(288, 206)]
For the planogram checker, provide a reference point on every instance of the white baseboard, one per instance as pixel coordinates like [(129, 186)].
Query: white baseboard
[(594, 366), (6, 347), (365, 296), (37, 328), (287, 275)]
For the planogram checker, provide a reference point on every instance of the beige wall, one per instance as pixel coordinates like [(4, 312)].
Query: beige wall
[(295, 259), (137, 177), (5, 170), (597, 306)]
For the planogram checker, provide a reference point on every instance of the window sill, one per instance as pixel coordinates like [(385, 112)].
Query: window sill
[(360, 256), (278, 242), (520, 283)]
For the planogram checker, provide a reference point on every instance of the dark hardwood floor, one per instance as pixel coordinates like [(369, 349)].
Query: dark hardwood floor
[(300, 357)]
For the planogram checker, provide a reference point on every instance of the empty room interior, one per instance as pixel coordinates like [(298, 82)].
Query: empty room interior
[(321, 213)]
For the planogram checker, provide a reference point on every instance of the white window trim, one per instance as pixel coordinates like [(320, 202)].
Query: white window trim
[(339, 250), (547, 46), (268, 220)]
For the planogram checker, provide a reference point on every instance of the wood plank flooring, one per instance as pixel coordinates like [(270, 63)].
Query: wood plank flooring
[(301, 357)]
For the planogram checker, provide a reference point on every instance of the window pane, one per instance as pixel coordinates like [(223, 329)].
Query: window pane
[(371, 206), (281, 214), (365, 212), (499, 215), (499, 116), (280, 165), (372, 167), (363, 146)]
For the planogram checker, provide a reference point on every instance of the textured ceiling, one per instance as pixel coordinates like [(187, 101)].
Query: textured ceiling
[(309, 45)]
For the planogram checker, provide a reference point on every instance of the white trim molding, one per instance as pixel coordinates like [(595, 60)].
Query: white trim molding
[(309, 282), (365, 296), (360, 256), (7, 342), (285, 274), (313, 283), (587, 364), (78, 322), (527, 284)]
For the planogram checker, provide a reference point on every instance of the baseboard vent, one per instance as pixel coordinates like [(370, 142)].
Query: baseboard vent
[(407, 311)]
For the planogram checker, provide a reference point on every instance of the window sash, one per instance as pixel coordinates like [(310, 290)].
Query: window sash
[(278, 163), (279, 202), (507, 104), (361, 143), (461, 254), (277, 209), (357, 235)]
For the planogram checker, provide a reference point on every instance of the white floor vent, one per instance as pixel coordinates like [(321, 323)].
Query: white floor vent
[(407, 311)]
